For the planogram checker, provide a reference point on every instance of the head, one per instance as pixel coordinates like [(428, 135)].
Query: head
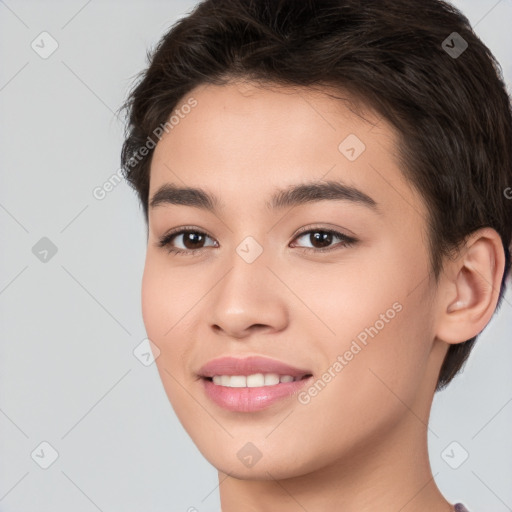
[(247, 99)]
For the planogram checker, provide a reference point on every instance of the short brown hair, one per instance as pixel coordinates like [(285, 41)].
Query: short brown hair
[(417, 63)]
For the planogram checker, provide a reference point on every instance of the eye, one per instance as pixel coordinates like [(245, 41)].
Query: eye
[(323, 238), (193, 240)]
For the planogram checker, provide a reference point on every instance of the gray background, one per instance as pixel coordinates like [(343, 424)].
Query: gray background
[(69, 325)]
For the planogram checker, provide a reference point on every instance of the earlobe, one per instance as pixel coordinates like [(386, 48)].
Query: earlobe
[(470, 287)]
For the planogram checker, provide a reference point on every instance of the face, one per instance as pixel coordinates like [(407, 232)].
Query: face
[(332, 281)]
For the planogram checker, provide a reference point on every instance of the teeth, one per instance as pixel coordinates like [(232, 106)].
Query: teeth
[(271, 379), (252, 381), (238, 381), (255, 380)]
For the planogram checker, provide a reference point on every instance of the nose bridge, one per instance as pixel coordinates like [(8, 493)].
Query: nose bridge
[(248, 293), (248, 269)]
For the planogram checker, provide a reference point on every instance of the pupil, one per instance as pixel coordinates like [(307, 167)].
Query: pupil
[(194, 236), (324, 238)]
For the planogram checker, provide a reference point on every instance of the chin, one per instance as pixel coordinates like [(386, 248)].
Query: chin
[(242, 460)]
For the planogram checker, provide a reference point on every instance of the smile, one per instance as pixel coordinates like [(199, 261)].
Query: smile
[(252, 383)]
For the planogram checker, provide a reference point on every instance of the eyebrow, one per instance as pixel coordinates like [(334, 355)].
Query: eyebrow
[(293, 195)]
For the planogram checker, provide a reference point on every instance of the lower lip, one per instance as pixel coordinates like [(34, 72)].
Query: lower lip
[(251, 399)]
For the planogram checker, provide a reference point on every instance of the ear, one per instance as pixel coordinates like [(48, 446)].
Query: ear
[(469, 287)]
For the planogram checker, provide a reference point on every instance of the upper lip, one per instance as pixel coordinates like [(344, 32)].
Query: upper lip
[(248, 366)]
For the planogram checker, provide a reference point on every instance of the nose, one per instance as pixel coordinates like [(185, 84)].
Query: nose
[(248, 299)]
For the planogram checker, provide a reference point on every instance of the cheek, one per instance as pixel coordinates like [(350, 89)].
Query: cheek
[(167, 295), (169, 300), (348, 297), (383, 378), (153, 294), (379, 323), (373, 387), (161, 312)]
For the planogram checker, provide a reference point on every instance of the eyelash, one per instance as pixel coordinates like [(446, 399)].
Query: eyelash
[(165, 241)]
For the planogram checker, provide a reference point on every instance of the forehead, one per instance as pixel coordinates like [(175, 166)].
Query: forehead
[(242, 141)]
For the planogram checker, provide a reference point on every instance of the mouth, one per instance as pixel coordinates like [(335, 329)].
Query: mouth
[(251, 384)]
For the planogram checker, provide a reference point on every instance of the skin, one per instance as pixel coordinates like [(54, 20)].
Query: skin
[(360, 444)]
